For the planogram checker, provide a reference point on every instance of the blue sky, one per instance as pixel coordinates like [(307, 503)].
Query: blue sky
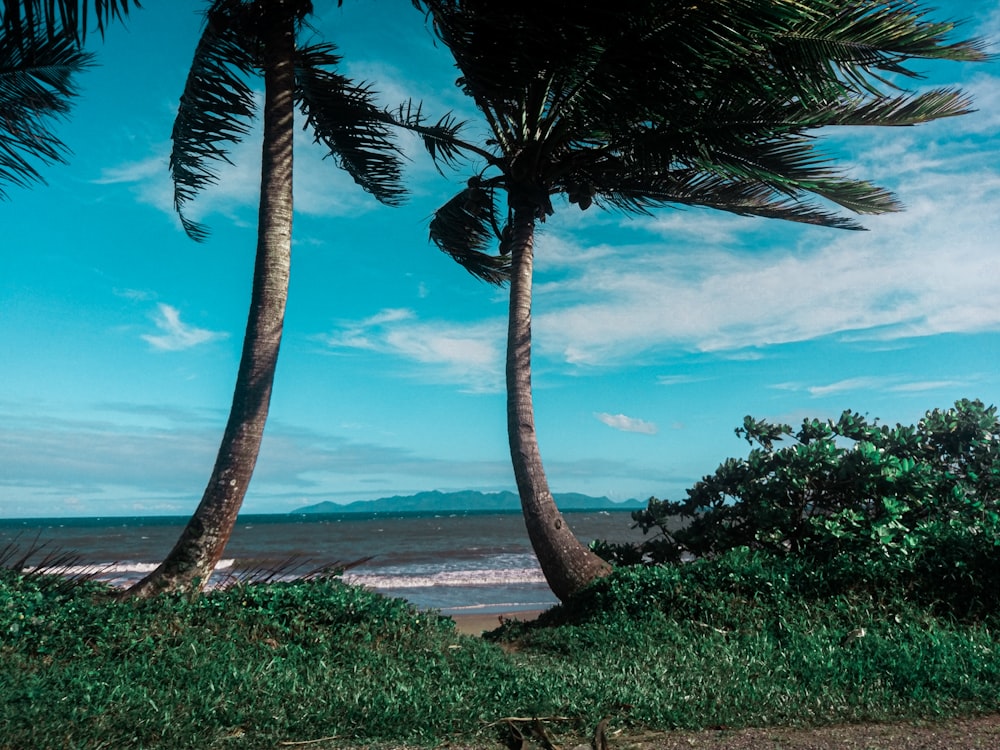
[(120, 337)]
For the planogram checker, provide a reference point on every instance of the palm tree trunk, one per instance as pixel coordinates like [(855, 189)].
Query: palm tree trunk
[(195, 555), (568, 566)]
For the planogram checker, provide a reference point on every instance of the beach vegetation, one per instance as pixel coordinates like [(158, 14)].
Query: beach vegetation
[(747, 638), (240, 39), (646, 105), (867, 503)]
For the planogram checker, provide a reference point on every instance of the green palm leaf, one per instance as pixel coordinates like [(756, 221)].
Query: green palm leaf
[(466, 229), (37, 84), (62, 17), (859, 38), (744, 197), (215, 109), (891, 110), (344, 118), (440, 139)]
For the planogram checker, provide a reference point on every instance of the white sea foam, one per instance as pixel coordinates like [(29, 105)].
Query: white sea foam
[(116, 574), (491, 577), (395, 577), (497, 607)]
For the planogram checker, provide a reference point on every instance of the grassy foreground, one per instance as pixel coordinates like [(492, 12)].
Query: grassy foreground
[(744, 640)]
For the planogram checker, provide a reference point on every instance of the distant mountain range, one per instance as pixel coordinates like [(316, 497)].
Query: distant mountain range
[(459, 502)]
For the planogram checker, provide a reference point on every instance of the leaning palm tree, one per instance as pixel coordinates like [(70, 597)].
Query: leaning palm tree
[(244, 37), (37, 85), (643, 103)]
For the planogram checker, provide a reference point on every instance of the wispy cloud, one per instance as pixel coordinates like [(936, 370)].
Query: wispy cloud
[(670, 380), (136, 295), (150, 168), (875, 383), (125, 463), (929, 385), (626, 424), (368, 332), (849, 384), (146, 458), (176, 335), (465, 354), (709, 229)]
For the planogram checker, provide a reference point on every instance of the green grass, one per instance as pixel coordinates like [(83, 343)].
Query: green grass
[(740, 641)]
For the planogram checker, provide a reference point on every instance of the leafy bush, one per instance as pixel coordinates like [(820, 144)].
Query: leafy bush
[(915, 505)]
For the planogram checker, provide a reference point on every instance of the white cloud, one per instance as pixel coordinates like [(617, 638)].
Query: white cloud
[(626, 424), (931, 269), (880, 384), (928, 385), (848, 384), (670, 380), (140, 458), (467, 354), (136, 295), (557, 249), (138, 171), (176, 335), (364, 334), (709, 228)]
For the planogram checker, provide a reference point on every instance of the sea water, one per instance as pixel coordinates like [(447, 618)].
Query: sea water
[(456, 563)]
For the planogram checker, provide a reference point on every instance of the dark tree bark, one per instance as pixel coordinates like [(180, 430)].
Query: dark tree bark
[(568, 566), (196, 553)]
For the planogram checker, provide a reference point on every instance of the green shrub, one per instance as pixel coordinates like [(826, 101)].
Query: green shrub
[(915, 507)]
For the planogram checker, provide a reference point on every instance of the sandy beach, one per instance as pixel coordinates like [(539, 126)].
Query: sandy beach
[(477, 624)]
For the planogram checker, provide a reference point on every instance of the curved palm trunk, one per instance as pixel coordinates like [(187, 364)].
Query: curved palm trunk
[(195, 555), (568, 566)]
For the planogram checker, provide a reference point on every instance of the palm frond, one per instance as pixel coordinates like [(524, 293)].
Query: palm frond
[(440, 139), (37, 83), (741, 197), (862, 43), (464, 229), (791, 165), (907, 109), (344, 117), (784, 167), (216, 107), (728, 120), (62, 17)]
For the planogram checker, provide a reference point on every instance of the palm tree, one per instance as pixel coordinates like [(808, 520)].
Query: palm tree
[(243, 37), (643, 103)]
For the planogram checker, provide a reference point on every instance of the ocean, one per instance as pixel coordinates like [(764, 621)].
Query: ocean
[(474, 563)]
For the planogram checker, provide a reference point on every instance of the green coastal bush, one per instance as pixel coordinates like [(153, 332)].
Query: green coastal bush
[(916, 507)]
